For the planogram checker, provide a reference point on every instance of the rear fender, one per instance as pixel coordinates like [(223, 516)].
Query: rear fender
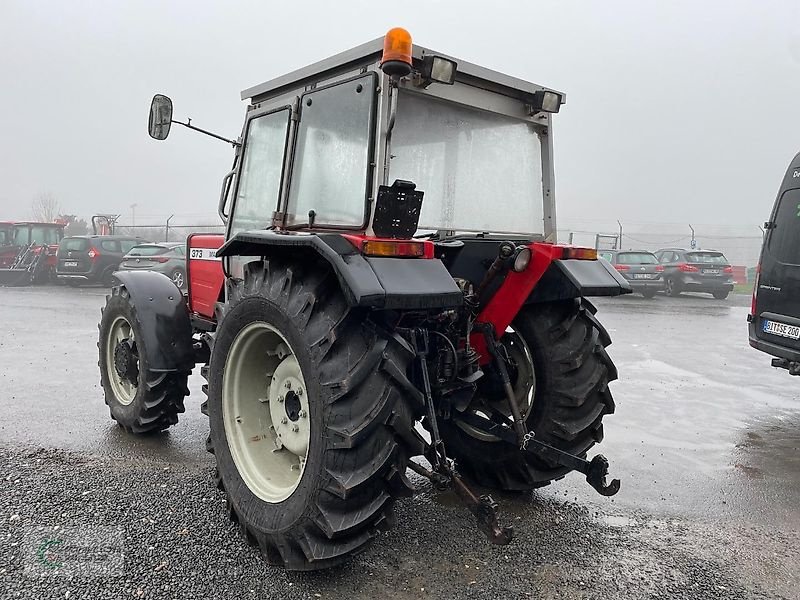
[(374, 282), (163, 319)]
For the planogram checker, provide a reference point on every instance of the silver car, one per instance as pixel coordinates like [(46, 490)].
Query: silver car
[(168, 258)]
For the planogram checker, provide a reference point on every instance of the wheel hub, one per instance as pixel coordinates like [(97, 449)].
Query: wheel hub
[(288, 407), (126, 361)]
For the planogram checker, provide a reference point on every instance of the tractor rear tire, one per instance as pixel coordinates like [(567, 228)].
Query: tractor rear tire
[(349, 467), (571, 371), (140, 400)]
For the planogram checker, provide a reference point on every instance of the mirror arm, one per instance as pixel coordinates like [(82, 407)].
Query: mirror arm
[(233, 143)]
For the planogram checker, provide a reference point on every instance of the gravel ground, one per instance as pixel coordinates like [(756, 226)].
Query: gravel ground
[(173, 540)]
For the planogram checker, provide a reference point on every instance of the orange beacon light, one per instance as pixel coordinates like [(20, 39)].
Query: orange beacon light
[(396, 60)]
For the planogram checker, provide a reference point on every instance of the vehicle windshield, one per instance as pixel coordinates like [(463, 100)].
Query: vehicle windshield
[(713, 258), (27, 234), (480, 171), (148, 250), (636, 258)]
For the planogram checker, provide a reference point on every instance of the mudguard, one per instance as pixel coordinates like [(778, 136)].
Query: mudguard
[(388, 283), (163, 319), (565, 279)]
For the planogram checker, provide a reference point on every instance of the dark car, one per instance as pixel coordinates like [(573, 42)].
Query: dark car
[(639, 267), (775, 314), (705, 271), (168, 258), (92, 258)]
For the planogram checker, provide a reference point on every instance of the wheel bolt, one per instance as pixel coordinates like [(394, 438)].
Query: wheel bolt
[(288, 385), (303, 414), (284, 420), (280, 398), (299, 391), (295, 428)]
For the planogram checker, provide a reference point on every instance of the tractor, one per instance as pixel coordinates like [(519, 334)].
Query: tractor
[(28, 252), (388, 297)]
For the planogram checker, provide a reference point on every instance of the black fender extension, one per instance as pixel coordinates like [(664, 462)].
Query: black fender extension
[(373, 282), (163, 316)]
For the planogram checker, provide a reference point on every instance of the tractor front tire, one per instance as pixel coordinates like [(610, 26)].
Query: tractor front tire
[(570, 396), (140, 400), (305, 416)]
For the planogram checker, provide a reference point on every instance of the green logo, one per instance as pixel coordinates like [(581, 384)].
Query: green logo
[(43, 551)]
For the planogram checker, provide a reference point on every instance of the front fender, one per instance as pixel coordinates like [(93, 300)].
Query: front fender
[(163, 319)]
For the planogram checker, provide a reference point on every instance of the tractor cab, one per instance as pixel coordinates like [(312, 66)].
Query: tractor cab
[(319, 144)]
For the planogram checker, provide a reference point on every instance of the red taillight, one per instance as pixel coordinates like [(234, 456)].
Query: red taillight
[(160, 259), (659, 268), (686, 268), (622, 267), (93, 253), (728, 269), (755, 289)]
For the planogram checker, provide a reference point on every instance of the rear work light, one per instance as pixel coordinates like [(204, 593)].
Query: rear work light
[(393, 248), (688, 268), (579, 253), (93, 253)]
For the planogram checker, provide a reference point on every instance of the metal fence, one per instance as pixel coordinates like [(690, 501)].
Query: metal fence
[(741, 250)]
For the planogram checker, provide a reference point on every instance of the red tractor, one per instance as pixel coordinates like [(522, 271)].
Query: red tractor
[(28, 251), (389, 261)]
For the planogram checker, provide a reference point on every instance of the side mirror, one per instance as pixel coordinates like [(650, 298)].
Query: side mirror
[(160, 117)]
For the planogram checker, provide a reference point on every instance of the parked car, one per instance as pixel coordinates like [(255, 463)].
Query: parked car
[(639, 267), (92, 258), (705, 271), (774, 320), (168, 258)]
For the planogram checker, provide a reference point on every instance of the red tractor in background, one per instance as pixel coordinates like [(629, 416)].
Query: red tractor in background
[(388, 289), (28, 251)]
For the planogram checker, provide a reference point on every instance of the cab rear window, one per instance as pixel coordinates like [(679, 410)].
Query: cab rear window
[(784, 238)]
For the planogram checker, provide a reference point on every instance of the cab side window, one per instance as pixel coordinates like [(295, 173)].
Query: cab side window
[(261, 172)]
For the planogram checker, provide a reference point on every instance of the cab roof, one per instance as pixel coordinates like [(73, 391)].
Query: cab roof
[(370, 53)]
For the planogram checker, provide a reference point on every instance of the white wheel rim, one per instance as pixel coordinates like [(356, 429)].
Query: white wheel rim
[(265, 412), (124, 390), (177, 279), (525, 392)]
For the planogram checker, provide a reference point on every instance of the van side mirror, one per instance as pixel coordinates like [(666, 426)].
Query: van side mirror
[(160, 117)]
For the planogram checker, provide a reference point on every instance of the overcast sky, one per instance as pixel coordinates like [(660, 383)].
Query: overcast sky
[(677, 112)]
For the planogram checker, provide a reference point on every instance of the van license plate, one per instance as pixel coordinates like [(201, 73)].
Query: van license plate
[(70, 263), (781, 329)]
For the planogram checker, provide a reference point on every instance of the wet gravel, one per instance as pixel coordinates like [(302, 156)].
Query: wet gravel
[(167, 527)]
